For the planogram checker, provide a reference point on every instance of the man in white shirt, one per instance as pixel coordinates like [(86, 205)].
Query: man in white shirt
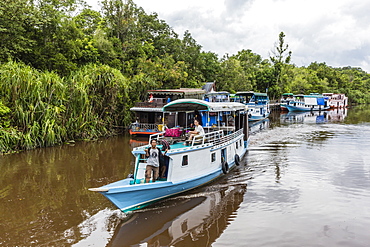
[(154, 154), (198, 131)]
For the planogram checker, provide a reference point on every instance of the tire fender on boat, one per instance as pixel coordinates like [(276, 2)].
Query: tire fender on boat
[(237, 159), (225, 167)]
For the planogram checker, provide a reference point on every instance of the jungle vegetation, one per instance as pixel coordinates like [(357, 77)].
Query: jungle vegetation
[(68, 72)]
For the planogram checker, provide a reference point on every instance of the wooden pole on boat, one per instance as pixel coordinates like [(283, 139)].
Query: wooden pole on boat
[(245, 125)]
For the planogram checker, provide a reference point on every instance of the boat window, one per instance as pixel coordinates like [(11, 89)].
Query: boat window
[(185, 160), (213, 157), (240, 142), (237, 146)]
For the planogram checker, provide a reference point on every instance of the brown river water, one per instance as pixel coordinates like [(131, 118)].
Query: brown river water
[(305, 181)]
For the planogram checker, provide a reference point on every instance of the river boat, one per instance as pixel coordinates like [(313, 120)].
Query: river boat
[(337, 100), (149, 117), (312, 102), (285, 99), (258, 104), (217, 96), (189, 164)]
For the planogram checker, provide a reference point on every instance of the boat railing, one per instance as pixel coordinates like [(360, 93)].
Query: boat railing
[(214, 137), (217, 137), (228, 137), (155, 136), (144, 126), (210, 137), (155, 103)]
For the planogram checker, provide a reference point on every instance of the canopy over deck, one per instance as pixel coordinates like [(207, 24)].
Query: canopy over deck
[(250, 93), (180, 91), (183, 105)]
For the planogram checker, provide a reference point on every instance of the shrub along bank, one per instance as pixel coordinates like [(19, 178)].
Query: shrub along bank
[(40, 109)]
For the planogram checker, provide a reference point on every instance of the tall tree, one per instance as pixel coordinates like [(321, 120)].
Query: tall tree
[(16, 19), (280, 57)]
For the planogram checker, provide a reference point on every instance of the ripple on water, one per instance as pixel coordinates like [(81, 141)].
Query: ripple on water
[(308, 186)]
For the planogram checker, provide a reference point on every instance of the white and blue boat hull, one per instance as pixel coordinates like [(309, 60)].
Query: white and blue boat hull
[(302, 108), (128, 197)]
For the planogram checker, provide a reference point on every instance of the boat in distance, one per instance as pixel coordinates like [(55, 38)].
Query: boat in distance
[(337, 100), (312, 102), (285, 99), (189, 164), (258, 104)]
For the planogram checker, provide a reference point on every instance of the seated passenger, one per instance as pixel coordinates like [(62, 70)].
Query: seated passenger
[(198, 131)]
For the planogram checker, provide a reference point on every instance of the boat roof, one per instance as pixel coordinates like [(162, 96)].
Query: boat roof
[(182, 105), (314, 96), (218, 93), (180, 91), (146, 109), (249, 93), (287, 94)]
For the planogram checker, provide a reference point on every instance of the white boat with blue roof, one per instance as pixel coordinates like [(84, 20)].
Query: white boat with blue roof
[(312, 102), (189, 164), (258, 104)]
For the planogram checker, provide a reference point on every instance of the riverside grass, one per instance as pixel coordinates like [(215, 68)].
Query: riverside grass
[(40, 109)]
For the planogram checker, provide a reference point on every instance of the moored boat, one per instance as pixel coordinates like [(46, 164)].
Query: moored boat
[(217, 96), (285, 99), (312, 102), (337, 100), (189, 164), (258, 104)]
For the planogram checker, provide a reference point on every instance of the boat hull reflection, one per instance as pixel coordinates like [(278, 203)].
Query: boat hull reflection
[(259, 126), (335, 115), (192, 220)]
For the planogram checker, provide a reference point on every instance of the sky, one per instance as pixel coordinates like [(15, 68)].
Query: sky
[(336, 32)]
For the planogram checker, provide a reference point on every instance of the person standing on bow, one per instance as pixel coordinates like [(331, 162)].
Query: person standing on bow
[(154, 156)]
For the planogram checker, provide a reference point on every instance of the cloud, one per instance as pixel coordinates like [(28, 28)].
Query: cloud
[(332, 31)]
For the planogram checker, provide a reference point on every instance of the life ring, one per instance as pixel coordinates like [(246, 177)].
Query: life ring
[(237, 159), (225, 167)]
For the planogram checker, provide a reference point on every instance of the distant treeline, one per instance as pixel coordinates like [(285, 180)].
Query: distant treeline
[(68, 72)]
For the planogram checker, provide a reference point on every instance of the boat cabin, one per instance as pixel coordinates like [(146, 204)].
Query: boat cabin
[(149, 117), (213, 96), (258, 104)]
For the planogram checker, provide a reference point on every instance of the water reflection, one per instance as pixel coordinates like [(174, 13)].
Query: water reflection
[(193, 220), (334, 115), (255, 127), (138, 141), (44, 191), (311, 178)]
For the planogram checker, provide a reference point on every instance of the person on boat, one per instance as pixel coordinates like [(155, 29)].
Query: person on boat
[(154, 156), (198, 130), (163, 163)]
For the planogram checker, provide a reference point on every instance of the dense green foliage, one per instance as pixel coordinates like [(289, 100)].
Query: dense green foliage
[(41, 109), (69, 72)]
